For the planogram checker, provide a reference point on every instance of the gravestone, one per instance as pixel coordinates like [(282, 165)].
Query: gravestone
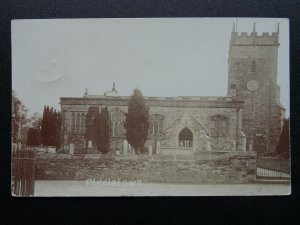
[(90, 144), (251, 145), (51, 150), (66, 147), (233, 144), (14, 147), (125, 146), (208, 146), (129, 148), (157, 147), (150, 150), (19, 145), (71, 150), (243, 144)]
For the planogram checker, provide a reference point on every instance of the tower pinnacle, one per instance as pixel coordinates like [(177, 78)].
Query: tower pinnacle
[(86, 92), (254, 28)]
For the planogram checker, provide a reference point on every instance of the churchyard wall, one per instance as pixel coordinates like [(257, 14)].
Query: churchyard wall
[(208, 167)]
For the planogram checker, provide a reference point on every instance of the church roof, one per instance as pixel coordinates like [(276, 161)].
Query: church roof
[(180, 101), (189, 98)]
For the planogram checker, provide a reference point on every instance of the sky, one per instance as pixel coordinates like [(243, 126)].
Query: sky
[(56, 58)]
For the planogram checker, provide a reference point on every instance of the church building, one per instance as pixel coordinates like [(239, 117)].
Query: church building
[(248, 118)]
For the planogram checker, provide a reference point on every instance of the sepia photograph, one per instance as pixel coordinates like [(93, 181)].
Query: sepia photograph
[(150, 107)]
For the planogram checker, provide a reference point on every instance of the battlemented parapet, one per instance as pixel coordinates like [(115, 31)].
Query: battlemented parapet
[(253, 38)]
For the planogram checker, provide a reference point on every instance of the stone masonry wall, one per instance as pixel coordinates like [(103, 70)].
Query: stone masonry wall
[(235, 167), (184, 115)]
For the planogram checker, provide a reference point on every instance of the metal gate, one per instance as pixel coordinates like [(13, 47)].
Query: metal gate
[(273, 168), (23, 172)]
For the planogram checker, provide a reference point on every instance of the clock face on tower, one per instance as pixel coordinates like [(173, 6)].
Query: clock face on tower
[(252, 85)]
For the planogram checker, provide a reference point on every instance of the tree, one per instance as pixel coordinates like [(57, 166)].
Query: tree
[(102, 131), (45, 126), (50, 127), (58, 128), (137, 121), (33, 137), (19, 118), (36, 120), (283, 146), (16, 118), (90, 124), (34, 132)]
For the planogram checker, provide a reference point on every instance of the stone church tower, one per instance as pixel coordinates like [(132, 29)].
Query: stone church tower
[(252, 77)]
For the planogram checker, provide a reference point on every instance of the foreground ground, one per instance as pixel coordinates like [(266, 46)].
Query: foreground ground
[(104, 188)]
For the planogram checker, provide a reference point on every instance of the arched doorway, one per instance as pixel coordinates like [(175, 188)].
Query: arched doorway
[(185, 138)]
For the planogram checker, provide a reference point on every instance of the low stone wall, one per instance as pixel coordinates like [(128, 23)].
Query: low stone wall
[(235, 167), (176, 151), (45, 149)]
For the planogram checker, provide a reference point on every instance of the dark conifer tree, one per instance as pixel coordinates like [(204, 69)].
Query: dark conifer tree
[(58, 128), (106, 129), (98, 131), (50, 128), (44, 126), (90, 124), (137, 121), (101, 131), (283, 146), (33, 137)]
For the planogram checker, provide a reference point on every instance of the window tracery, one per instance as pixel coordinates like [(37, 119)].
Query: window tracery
[(156, 124), (117, 118), (218, 126)]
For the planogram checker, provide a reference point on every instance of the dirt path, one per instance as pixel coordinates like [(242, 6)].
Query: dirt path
[(113, 188)]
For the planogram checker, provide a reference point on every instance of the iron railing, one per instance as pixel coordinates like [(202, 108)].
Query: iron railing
[(275, 168), (23, 172)]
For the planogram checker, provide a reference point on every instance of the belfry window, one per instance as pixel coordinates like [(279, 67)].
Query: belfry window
[(253, 66)]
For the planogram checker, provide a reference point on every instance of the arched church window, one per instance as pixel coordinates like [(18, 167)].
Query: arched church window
[(218, 126), (156, 127), (77, 123), (82, 123), (73, 123), (65, 120), (116, 129), (185, 138), (117, 117), (156, 124)]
